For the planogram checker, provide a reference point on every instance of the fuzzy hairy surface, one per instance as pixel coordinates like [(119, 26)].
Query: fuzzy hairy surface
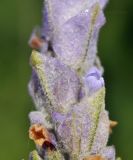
[(67, 85)]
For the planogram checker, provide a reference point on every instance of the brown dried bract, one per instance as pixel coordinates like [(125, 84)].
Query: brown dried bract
[(97, 157), (112, 125), (39, 134), (36, 42)]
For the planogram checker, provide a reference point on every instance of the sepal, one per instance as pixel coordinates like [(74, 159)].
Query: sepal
[(34, 156), (60, 83)]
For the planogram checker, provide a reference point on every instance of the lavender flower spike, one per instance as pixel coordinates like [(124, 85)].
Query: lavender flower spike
[(67, 86)]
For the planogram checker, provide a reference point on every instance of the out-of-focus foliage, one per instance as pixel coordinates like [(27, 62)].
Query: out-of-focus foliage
[(17, 18)]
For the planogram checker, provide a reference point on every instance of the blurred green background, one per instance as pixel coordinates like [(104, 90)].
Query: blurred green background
[(17, 18)]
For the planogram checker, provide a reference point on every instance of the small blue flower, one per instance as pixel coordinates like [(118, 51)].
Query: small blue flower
[(93, 80)]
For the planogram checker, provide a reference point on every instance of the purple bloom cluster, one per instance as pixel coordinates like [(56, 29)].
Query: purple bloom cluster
[(67, 86)]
